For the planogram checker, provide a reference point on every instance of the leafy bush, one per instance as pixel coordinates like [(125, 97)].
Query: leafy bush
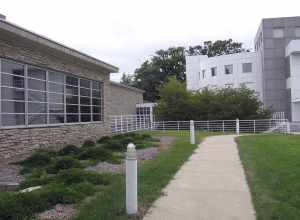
[(145, 136), (39, 158), (114, 145), (37, 178), (69, 150), (63, 163), (96, 153), (14, 206), (126, 140), (176, 103), (104, 139), (88, 143), (75, 176)]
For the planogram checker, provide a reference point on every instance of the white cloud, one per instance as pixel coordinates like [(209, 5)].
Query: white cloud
[(125, 33)]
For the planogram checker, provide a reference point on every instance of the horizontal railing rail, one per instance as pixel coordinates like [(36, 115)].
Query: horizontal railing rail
[(131, 123)]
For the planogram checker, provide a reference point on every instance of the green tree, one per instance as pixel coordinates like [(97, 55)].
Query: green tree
[(174, 102), (209, 104), (217, 48), (153, 73)]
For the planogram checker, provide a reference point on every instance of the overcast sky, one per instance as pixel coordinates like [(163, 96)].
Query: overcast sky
[(126, 32)]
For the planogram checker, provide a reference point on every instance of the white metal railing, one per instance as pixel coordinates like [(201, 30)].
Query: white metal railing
[(130, 123)]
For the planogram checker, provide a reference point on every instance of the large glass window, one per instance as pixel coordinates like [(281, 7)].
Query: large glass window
[(33, 96), (12, 94)]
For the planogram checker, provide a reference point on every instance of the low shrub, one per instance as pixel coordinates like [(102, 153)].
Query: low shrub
[(114, 145), (145, 136), (39, 158), (14, 206), (104, 139), (63, 163), (37, 178), (88, 143), (126, 140), (96, 153), (75, 176), (69, 150)]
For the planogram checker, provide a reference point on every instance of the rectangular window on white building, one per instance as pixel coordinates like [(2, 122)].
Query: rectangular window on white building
[(228, 69), (213, 71), (203, 74), (278, 33), (247, 67)]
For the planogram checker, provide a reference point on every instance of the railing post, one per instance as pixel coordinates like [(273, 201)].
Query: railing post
[(121, 124), (131, 180), (192, 132), (116, 124), (223, 127), (163, 125), (127, 125), (254, 124), (177, 125), (288, 127), (237, 126), (207, 125)]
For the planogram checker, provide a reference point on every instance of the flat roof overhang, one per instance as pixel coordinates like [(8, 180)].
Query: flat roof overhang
[(292, 48), (36, 38)]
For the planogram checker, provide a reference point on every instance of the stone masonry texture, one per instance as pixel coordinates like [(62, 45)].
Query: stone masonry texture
[(124, 100)]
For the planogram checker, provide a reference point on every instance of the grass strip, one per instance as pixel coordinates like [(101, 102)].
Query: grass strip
[(272, 166)]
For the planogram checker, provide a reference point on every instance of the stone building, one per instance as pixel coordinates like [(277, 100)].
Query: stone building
[(125, 99), (52, 95)]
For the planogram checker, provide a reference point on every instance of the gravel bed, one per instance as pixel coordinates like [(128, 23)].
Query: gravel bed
[(59, 212)]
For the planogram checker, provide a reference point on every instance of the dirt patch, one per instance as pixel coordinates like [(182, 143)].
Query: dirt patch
[(59, 212), (166, 142)]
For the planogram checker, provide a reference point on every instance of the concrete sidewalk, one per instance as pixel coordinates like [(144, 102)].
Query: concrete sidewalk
[(210, 186)]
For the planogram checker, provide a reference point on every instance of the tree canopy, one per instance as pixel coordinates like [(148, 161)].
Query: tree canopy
[(153, 73), (176, 103)]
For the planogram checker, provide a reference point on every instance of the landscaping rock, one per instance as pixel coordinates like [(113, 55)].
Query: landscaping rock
[(104, 167), (59, 212), (30, 189)]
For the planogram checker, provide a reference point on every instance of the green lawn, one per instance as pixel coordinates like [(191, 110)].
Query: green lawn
[(272, 164), (153, 176)]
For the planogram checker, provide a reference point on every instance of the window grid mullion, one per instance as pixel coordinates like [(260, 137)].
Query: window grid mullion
[(0, 93), (26, 94), (47, 97), (65, 102), (79, 109), (91, 100)]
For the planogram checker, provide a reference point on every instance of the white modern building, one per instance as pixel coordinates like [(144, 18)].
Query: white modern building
[(233, 70), (273, 70)]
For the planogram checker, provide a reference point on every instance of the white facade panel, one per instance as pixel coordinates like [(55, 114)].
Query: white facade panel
[(198, 71)]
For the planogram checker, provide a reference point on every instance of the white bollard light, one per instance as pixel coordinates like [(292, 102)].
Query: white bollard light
[(131, 180), (192, 132), (237, 126)]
